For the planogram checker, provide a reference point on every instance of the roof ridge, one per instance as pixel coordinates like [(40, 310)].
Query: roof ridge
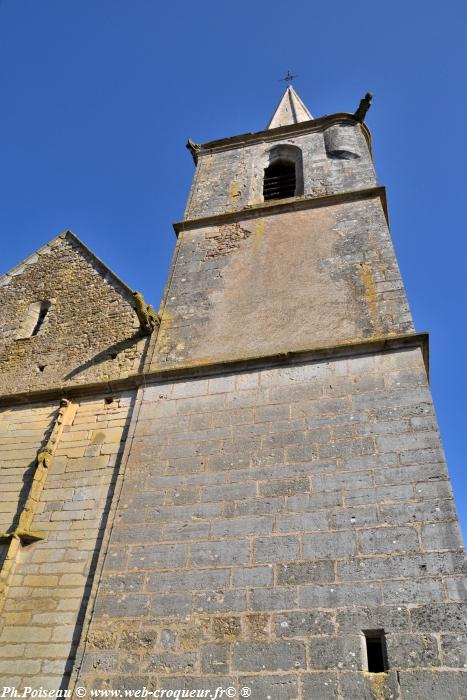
[(67, 233)]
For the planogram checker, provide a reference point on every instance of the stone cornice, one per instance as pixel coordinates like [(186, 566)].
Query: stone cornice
[(288, 131), (234, 364), (284, 205)]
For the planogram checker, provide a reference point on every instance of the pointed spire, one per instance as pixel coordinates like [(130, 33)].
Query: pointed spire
[(290, 110)]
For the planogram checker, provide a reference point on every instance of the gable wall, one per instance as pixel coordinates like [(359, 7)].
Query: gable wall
[(90, 319)]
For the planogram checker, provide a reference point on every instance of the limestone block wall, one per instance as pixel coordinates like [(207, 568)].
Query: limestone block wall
[(47, 592), (23, 430), (231, 179), (284, 281), (267, 519)]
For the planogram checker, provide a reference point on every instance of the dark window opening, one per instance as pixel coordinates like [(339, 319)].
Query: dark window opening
[(43, 311), (375, 643), (279, 180)]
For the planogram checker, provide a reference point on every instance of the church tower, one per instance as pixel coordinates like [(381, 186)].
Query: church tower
[(277, 521)]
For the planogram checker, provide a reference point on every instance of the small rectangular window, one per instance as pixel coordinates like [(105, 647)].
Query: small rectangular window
[(376, 653)]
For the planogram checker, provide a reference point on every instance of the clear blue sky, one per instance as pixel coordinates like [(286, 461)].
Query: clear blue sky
[(98, 99)]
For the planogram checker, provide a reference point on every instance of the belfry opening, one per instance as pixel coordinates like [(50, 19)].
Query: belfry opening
[(279, 180)]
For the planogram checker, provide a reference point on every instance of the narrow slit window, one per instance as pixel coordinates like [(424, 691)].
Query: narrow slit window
[(43, 311), (33, 322), (279, 180), (376, 653)]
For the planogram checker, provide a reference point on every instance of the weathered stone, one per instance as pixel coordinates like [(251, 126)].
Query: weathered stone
[(334, 595), (283, 687), (454, 650), (391, 619), (368, 686), (442, 685), (439, 617), (100, 345), (176, 604), (276, 656), (226, 627), (412, 651), (276, 598), (170, 663), (271, 549), (220, 601), (304, 623), (322, 685), (330, 652), (305, 572), (256, 576), (332, 544), (135, 641), (263, 506), (214, 658)]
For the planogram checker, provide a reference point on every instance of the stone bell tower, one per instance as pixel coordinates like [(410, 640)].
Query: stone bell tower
[(285, 521), (284, 246), (248, 489)]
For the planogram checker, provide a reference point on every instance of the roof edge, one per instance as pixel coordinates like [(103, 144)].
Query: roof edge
[(288, 130), (66, 234)]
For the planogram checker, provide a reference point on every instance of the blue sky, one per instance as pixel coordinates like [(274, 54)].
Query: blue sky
[(99, 98)]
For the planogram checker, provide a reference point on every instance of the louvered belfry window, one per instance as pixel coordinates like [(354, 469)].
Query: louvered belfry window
[(279, 180)]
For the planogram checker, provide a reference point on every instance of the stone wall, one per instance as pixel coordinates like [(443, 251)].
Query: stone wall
[(23, 429), (282, 281), (284, 511), (48, 589), (230, 179), (90, 333), (258, 522)]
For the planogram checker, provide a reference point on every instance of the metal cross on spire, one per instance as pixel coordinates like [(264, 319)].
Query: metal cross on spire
[(288, 78)]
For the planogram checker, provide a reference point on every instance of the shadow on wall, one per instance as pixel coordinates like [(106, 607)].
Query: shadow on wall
[(111, 353), (86, 599), (28, 478)]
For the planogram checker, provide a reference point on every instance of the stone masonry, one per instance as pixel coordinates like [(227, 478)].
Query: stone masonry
[(288, 280), (42, 613), (285, 510), (244, 498), (88, 334)]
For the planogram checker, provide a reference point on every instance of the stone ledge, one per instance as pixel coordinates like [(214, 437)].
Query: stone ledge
[(318, 124), (279, 206), (234, 364)]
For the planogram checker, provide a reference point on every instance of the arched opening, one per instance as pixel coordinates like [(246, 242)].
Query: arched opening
[(283, 177), (279, 180)]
